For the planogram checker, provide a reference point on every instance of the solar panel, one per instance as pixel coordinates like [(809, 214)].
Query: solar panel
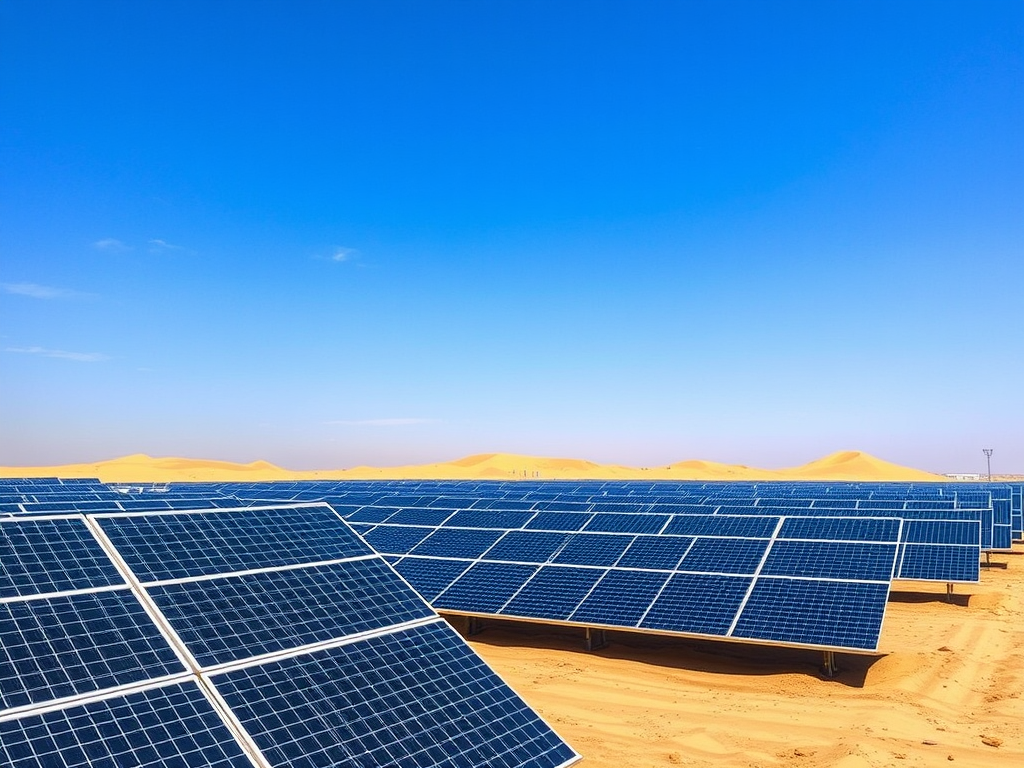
[(389, 700), (553, 592), (236, 617), (68, 645), (485, 587), (430, 576), (40, 556), (812, 611), (695, 584), (172, 725), (158, 547), (99, 674), (697, 603)]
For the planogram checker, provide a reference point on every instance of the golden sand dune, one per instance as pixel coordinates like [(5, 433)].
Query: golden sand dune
[(855, 465), (844, 465)]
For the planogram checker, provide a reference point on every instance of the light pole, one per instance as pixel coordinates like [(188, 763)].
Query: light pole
[(988, 460)]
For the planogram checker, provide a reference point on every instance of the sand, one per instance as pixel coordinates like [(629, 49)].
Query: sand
[(948, 689), (844, 465)]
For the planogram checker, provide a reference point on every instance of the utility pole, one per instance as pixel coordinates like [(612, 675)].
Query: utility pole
[(988, 460)]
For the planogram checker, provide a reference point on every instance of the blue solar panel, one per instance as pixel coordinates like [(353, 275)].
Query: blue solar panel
[(943, 531), (472, 518), (396, 539), (621, 598), (946, 562), (414, 698), (598, 549), (484, 588), (810, 612), (42, 556), (751, 527), (457, 542), (831, 559), (553, 592), (697, 603), (429, 517), (237, 617), (710, 555), (840, 529), (173, 546), (527, 546), (559, 521), (66, 645), (430, 576), (658, 552), (627, 523), (174, 725), (367, 514)]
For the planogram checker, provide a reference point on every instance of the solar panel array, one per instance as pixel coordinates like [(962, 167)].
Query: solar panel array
[(944, 527), (756, 579), (262, 636)]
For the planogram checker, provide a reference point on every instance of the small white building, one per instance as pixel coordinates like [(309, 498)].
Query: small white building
[(963, 475)]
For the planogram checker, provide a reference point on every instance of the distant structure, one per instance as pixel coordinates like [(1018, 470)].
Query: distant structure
[(988, 460), (963, 475)]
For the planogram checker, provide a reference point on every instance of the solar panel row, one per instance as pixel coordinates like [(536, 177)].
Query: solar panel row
[(700, 575), (259, 636)]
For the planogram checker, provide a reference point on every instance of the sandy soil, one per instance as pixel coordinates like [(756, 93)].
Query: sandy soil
[(950, 688)]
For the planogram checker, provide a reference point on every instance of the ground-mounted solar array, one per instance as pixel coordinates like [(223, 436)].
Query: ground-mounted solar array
[(633, 555), (257, 636), (751, 578)]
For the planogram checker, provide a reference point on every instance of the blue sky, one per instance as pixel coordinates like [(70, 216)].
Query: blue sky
[(387, 233)]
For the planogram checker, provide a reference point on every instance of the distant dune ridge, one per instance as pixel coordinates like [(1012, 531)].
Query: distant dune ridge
[(843, 465)]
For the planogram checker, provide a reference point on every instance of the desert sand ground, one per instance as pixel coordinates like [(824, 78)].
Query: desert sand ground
[(950, 688)]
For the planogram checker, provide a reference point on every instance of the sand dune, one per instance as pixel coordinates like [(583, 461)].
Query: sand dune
[(844, 465)]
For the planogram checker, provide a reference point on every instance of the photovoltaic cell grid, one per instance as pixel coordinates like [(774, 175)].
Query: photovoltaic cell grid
[(87, 677), (908, 499), (753, 578), (319, 701), (944, 551), (173, 725), (166, 546)]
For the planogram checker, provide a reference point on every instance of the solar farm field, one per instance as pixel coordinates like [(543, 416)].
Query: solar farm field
[(646, 623)]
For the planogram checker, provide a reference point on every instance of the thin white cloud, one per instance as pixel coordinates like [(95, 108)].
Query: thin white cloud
[(382, 422), (339, 255), (36, 291), (78, 357), (162, 246), (112, 245)]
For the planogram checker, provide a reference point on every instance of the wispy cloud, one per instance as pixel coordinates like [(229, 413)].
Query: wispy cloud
[(382, 422), (111, 245), (162, 246), (78, 357), (36, 291), (339, 255)]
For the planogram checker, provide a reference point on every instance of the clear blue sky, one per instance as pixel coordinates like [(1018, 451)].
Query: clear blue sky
[(326, 234)]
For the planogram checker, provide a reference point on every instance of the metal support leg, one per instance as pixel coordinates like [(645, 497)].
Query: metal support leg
[(949, 592), (595, 639), (473, 626), (830, 664)]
